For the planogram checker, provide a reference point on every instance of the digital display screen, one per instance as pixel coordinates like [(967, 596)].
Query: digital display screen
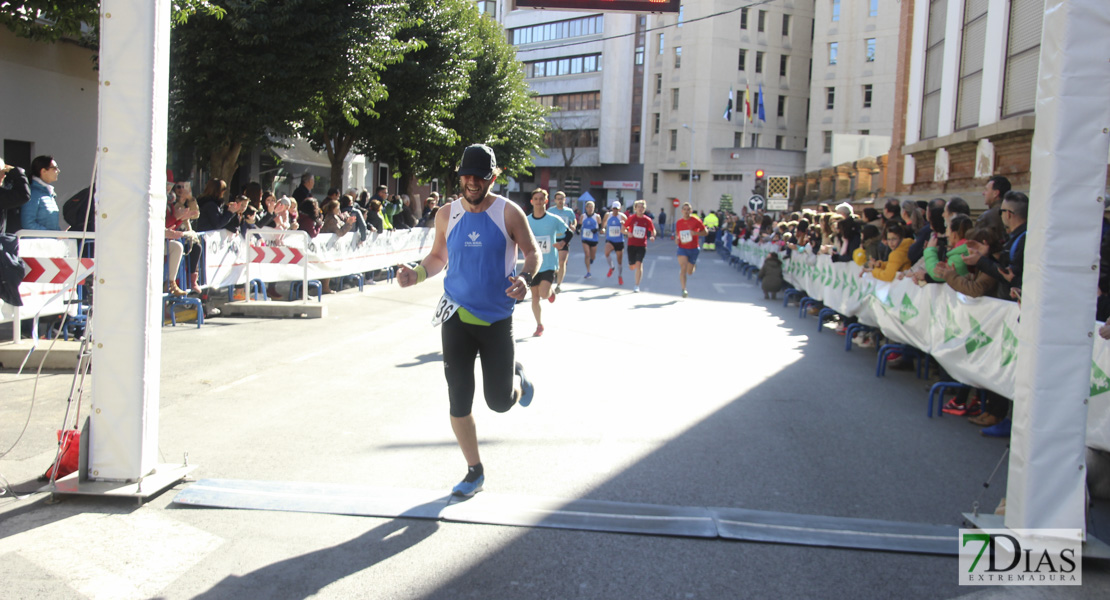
[(655, 6)]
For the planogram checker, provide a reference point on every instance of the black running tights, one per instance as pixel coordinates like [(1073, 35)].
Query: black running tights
[(462, 342)]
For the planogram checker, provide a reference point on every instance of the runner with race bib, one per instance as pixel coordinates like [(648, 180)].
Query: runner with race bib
[(546, 227), (478, 234), (562, 244), (687, 230), (640, 229), (614, 239), (590, 225)]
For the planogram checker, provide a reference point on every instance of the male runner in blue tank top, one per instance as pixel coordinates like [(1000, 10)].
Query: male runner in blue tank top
[(478, 235), (614, 239)]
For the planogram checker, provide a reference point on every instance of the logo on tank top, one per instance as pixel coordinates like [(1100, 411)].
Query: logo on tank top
[(473, 243)]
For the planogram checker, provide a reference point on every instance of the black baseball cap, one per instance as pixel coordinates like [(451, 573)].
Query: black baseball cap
[(478, 160)]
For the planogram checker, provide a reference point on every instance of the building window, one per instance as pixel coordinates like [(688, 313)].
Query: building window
[(758, 62), (828, 142), (874, 11), (546, 32), (869, 54), (488, 7), (565, 102), (835, 10), (639, 55), (1019, 89), (761, 23), (785, 25), (971, 65), (782, 65), (738, 139), (681, 13), (728, 177), (661, 44), (755, 140), (563, 66), (833, 48), (674, 140), (830, 98), (778, 142), (867, 96), (865, 132), (677, 57), (658, 84), (570, 138), (782, 106), (674, 98), (655, 183), (743, 18), (743, 58), (635, 134), (934, 58), (655, 125)]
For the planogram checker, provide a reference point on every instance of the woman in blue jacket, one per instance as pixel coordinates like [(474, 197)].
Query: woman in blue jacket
[(41, 211)]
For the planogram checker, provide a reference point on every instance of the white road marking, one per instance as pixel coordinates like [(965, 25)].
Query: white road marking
[(114, 556), (224, 388), (723, 288)]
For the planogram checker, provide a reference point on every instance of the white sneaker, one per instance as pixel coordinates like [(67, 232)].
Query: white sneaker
[(636, 289)]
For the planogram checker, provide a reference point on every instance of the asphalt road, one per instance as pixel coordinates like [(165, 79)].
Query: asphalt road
[(721, 399)]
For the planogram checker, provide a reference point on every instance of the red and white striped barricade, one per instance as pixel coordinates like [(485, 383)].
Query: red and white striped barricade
[(276, 255), (52, 274)]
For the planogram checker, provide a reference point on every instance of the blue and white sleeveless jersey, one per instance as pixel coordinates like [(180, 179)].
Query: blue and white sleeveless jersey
[(566, 214), (613, 230), (589, 228), (480, 257)]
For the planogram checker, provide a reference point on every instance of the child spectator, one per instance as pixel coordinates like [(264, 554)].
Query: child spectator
[(899, 259), (771, 274), (958, 228)]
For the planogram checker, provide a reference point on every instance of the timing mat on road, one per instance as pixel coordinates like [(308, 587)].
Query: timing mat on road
[(580, 515)]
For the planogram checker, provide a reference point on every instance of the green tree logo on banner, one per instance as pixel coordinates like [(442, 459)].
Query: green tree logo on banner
[(1100, 383), (908, 311), (951, 327), (1009, 346), (977, 338), (854, 288)]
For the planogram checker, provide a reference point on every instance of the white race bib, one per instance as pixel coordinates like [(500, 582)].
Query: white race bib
[(685, 236), (544, 242), (614, 231), (444, 309), (639, 231), (587, 234)]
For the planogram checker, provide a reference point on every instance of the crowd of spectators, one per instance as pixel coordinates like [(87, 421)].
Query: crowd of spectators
[(937, 242)]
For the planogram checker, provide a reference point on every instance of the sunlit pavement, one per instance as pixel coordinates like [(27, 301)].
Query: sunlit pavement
[(722, 399)]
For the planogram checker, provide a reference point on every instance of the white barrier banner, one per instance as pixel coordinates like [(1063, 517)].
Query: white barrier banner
[(41, 296), (974, 339), (227, 253)]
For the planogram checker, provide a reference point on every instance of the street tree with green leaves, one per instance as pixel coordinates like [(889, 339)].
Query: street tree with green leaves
[(77, 20), (424, 88), (499, 110), (249, 77)]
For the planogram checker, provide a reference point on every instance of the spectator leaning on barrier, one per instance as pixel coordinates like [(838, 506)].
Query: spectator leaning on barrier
[(15, 191), (309, 218), (976, 283), (334, 222), (848, 232), (871, 239), (214, 213), (41, 211), (934, 221), (898, 259), (180, 209), (1007, 269), (347, 207), (958, 228)]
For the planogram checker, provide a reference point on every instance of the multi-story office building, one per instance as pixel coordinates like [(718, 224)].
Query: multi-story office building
[(855, 63), (694, 60), (587, 67)]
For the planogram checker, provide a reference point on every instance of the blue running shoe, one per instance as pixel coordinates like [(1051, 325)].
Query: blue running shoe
[(527, 390), (588, 275), (466, 489), (1001, 430)]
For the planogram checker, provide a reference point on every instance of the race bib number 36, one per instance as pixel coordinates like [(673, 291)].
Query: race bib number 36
[(444, 309)]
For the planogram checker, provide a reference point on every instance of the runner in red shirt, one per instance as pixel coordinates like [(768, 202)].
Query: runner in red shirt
[(687, 230), (639, 228)]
